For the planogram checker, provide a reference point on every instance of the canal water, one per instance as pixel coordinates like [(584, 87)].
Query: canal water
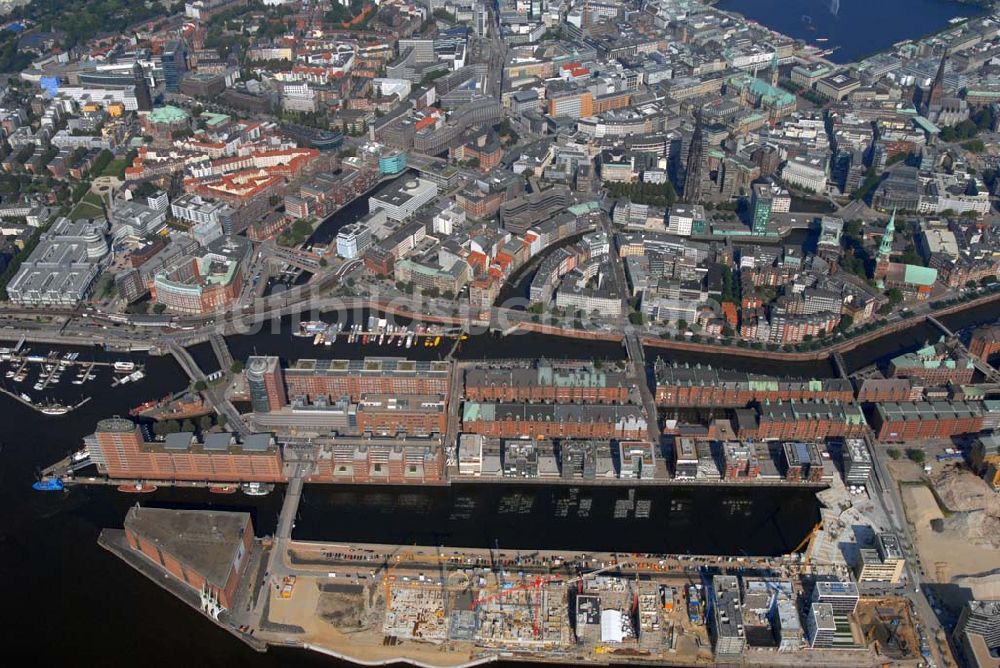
[(745, 520), (855, 28)]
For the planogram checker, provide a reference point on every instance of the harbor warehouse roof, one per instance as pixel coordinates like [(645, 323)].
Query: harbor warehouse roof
[(205, 541)]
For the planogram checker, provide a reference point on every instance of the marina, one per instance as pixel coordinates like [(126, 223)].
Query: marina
[(48, 371)]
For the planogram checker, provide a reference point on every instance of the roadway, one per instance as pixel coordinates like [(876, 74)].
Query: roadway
[(633, 345), (888, 496)]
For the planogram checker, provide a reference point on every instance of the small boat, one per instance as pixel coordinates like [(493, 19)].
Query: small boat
[(26, 397), (137, 488), (257, 488), (223, 489), (48, 485), (136, 375), (124, 367), (55, 409)]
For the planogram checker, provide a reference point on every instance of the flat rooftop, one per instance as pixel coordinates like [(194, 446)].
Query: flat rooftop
[(205, 541)]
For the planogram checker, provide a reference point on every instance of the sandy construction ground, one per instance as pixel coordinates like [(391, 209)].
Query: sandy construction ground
[(944, 555), (304, 607)]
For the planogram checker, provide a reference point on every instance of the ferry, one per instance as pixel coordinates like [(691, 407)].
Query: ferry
[(48, 485), (137, 488), (257, 488), (124, 367), (223, 489)]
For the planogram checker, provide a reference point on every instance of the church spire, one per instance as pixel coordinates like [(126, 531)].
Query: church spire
[(885, 248), (936, 92)]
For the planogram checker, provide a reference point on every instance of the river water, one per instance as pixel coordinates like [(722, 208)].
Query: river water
[(856, 28)]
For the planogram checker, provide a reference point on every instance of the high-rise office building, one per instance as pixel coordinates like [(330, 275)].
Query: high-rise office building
[(174, 62), (265, 384), (143, 96), (761, 204), (977, 632), (820, 625)]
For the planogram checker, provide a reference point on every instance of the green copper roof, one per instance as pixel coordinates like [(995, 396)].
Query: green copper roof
[(917, 275), (168, 114)]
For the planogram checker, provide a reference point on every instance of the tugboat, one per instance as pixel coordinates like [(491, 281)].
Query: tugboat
[(223, 489), (137, 488), (257, 488), (48, 485)]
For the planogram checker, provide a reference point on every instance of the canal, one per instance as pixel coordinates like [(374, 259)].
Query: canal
[(745, 520)]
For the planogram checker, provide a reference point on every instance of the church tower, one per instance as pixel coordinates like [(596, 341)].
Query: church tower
[(885, 248), (935, 94)]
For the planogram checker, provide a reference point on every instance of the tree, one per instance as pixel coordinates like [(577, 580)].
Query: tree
[(205, 423), (159, 308), (893, 453), (236, 366), (846, 322), (200, 386), (682, 325), (187, 425), (635, 317), (895, 296), (172, 426), (916, 455)]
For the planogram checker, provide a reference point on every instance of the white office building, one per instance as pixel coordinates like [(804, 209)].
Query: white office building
[(808, 172), (353, 240), (404, 198)]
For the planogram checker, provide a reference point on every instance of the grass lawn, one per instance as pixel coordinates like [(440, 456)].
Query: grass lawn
[(88, 207), (115, 168)]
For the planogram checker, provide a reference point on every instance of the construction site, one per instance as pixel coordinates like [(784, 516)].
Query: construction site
[(467, 613)]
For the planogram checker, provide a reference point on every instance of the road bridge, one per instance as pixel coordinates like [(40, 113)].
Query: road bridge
[(222, 352), (215, 395)]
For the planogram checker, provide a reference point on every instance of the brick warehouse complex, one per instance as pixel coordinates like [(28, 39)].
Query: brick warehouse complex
[(205, 549), (380, 461), (413, 415), (686, 386), (915, 420), (514, 420), (334, 379), (120, 450), (545, 382), (802, 420)]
